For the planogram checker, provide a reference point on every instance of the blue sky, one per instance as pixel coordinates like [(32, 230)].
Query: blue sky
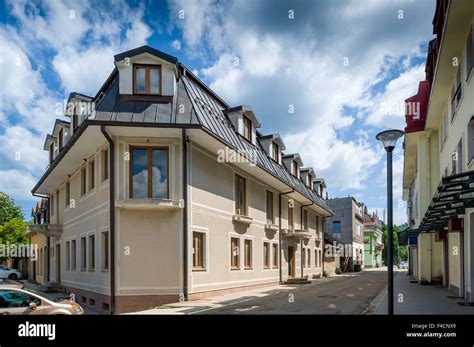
[(342, 66)]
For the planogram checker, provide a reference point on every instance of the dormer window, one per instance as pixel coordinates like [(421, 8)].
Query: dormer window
[(295, 168), (247, 129), (147, 79), (275, 151), (309, 181), (61, 138), (51, 152)]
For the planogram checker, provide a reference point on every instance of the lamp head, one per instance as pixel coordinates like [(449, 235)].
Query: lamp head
[(389, 138)]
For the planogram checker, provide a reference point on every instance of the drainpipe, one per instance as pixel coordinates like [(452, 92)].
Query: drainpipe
[(185, 212), (111, 216), (279, 232), (301, 241)]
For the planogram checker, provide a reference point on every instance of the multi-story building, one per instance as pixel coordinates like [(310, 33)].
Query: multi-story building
[(373, 243), (438, 176), (346, 227), (159, 191)]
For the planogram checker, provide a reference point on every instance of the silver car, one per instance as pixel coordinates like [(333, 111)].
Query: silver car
[(12, 274), (16, 300)]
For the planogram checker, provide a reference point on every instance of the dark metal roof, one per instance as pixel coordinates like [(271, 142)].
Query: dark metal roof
[(213, 118), (75, 95), (146, 49), (455, 193)]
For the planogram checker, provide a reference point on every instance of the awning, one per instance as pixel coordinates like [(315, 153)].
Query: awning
[(405, 235), (454, 194)]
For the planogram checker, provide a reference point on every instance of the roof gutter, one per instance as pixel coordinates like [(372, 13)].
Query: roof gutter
[(111, 215), (279, 232)]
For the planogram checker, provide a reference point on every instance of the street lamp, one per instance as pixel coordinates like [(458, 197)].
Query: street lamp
[(389, 139)]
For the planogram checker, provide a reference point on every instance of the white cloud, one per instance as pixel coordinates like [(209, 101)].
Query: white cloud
[(17, 184), (176, 45)]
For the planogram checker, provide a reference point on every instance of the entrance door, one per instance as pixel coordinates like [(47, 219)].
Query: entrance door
[(291, 262), (58, 263)]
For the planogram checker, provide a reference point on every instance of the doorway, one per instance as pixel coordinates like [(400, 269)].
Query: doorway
[(291, 262), (58, 263)]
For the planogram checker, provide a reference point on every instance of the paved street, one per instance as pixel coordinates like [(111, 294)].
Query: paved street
[(348, 294)]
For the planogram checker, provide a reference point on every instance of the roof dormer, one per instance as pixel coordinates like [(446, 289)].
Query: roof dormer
[(61, 132), (146, 73), (245, 121), (319, 186), (273, 145), (307, 175), (79, 107), (293, 163)]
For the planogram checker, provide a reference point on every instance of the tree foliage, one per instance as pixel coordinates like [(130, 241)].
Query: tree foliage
[(9, 209), (12, 226), (400, 252)]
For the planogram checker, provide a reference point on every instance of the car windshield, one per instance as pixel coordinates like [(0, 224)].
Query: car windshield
[(41, 294)]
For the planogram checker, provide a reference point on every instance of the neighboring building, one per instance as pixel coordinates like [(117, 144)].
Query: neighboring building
[(438, 175), (37, 267), (347, 227), (373, 244), (159, 191)]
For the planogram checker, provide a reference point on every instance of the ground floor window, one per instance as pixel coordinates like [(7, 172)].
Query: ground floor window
[(266, 255), (91, 252), (303, 256), (198, 251), (105, 250), (275, 256), (73, 255), (248, 254), (234, 253), (83, 253), (309, 257), (68, 256)]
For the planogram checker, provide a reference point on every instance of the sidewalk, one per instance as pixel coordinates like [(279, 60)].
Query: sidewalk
[(422, 299)]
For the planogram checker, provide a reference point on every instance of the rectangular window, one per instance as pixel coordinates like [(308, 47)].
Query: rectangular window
[(266, 255), (91, 174), (68, 256), (83, 253), (470, 52), (105, 250), (305, 219), (105, 164), (275, 151), (91, 252), (83, 180), (316, 258), (61, 138), (309, 257), (234, 253), (247, 129), (198, 250), (248, 254), (241, 196), (270, 214), (149, 173), (275, 255), (295, 168), (303, 256), (290, 216), (73, 255), (75, 122), (51, 202), (470, 140), (68, 194), (51, 152), (147, 79)]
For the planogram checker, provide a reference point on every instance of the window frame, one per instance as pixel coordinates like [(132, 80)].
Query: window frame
[(275, 151), (150, 168), (266, 255), (83, 180), (248, 256), (105, 250), (61, 138), (234, 259), (276, 255), (91, 252), (147, 68), (200, 253), (105, 164), (73, 255), (91, 169), (270, 204), (84, 253), (237, 196), (305, 219), (68, 256), (247, 127)]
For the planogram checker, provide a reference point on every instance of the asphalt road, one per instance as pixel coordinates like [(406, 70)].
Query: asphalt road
[(350, 294)]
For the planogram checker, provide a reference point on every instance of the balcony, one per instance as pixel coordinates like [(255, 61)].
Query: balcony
[(47, 229), (241, 219), (299, 233), (269, 226)]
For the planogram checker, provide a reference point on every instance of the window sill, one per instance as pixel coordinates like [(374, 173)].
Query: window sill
[(248, 268), (271, 227), (152, 204), (237, 218), (234, 268), (199, 269)]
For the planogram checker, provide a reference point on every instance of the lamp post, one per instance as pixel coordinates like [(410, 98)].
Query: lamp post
[(389, 139)]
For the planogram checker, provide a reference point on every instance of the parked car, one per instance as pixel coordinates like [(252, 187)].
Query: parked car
[(15, 299), (403, 265), (6, 272)]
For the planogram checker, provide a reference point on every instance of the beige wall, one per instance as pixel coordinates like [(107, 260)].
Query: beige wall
[(454, 252)]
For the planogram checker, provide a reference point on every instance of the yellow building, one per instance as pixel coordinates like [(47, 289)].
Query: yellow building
[(438, 179)]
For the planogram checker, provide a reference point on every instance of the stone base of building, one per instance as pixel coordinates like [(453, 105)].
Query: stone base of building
[(211, 293)]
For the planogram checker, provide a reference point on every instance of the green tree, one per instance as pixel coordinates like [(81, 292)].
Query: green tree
[(399, 252), (8, 209)]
